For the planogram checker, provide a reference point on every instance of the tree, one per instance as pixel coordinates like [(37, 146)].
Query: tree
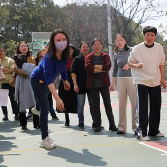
[(128, 15)]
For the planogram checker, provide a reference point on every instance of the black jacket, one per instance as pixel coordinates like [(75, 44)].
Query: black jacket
[(78, 67)]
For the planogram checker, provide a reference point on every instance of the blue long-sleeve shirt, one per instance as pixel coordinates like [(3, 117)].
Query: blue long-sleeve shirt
[(48, 69)]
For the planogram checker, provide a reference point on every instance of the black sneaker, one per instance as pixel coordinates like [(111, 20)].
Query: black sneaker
[(102, 127), (93, 125), (120, 132), (36, 127), (113, 128), (81, 126), (24, 127), (55, 118), (16, 118), (97, 129), (5, 118), (135, 133)]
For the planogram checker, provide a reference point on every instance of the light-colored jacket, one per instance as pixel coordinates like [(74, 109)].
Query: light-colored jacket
[(23, 90)]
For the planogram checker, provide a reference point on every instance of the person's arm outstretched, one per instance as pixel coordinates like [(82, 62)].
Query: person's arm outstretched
[(59, 102)]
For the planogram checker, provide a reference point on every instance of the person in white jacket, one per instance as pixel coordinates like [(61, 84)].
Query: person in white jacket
[(147, 62)]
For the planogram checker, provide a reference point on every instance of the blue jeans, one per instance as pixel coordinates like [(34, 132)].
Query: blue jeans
[(80, 106), (41, 95)]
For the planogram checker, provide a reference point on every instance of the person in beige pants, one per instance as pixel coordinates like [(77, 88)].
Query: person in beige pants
[(125, 83), (126, 88)]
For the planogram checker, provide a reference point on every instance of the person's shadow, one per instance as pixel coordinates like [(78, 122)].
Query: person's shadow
[(72, 156), (5, 146)]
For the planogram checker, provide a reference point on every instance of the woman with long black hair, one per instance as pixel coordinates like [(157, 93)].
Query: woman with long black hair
[(43, 76)]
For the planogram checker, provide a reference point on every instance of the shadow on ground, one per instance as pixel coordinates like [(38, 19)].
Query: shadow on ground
[(86, 157)]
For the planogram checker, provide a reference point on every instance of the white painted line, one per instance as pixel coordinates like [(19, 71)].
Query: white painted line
[(153, 147)]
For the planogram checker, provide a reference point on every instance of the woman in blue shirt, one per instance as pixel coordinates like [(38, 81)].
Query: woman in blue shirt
[(53, 64)]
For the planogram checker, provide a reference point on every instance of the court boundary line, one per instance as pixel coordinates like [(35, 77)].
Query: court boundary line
[(152, 146)]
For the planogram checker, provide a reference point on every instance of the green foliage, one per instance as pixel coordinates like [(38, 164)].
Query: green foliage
[(19, 18), (9, 46)]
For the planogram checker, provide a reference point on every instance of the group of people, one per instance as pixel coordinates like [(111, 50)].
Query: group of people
[(140, 75), (139, 72)]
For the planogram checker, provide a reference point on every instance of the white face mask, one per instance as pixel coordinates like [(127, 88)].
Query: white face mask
[(61, 45)]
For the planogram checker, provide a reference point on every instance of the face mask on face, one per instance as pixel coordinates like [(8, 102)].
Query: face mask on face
[(61, 45)]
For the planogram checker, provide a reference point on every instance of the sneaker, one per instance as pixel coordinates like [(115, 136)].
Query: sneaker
[(81, 126), (97, 129), (47, 143), (24, 127), (36, 127), (5, 118), (113, 128), (35, 111), (16, 118), (135, 132), (55, 118), (93, 125), (120, 132), (160, 135), (102, 127), (141, 138)]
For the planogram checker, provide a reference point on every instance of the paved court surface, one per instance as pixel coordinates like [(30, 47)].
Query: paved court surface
[(81, 148)]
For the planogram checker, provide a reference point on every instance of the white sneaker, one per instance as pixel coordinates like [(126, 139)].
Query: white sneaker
[(160, 135), (141, 138), (47, 143), (35, 111)]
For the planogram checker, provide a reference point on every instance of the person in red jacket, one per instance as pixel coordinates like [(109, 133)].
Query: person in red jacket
[(97, 65)]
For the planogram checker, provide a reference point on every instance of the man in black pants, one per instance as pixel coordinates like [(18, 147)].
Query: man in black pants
[(147, 62)]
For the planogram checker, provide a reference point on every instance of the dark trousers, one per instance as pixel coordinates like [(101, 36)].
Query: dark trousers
[(148, 96), (11, 96), (41, 95), (22, 118), (51, 109), (36, 122), (104, 91)]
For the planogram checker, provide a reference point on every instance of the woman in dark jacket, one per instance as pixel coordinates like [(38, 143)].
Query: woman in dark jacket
[(69, 97), (97, 65), (24, 104), (79, 76)]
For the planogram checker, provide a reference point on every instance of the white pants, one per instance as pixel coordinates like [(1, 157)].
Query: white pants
[(126, 88)]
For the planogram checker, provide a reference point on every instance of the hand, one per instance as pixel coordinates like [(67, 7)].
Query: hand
[(60, 105), (126, 67), (20, 71), (111, 88), (66, 85), (6, 70), (163, 83), (139, 65), (76, 88), (22, 75)]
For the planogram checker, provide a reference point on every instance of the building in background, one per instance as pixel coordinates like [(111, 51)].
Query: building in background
[(39, 41)]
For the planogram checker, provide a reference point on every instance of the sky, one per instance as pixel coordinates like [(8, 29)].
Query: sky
[(155, 23)]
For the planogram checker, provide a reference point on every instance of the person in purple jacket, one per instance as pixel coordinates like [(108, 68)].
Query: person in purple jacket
[(53, 64)]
